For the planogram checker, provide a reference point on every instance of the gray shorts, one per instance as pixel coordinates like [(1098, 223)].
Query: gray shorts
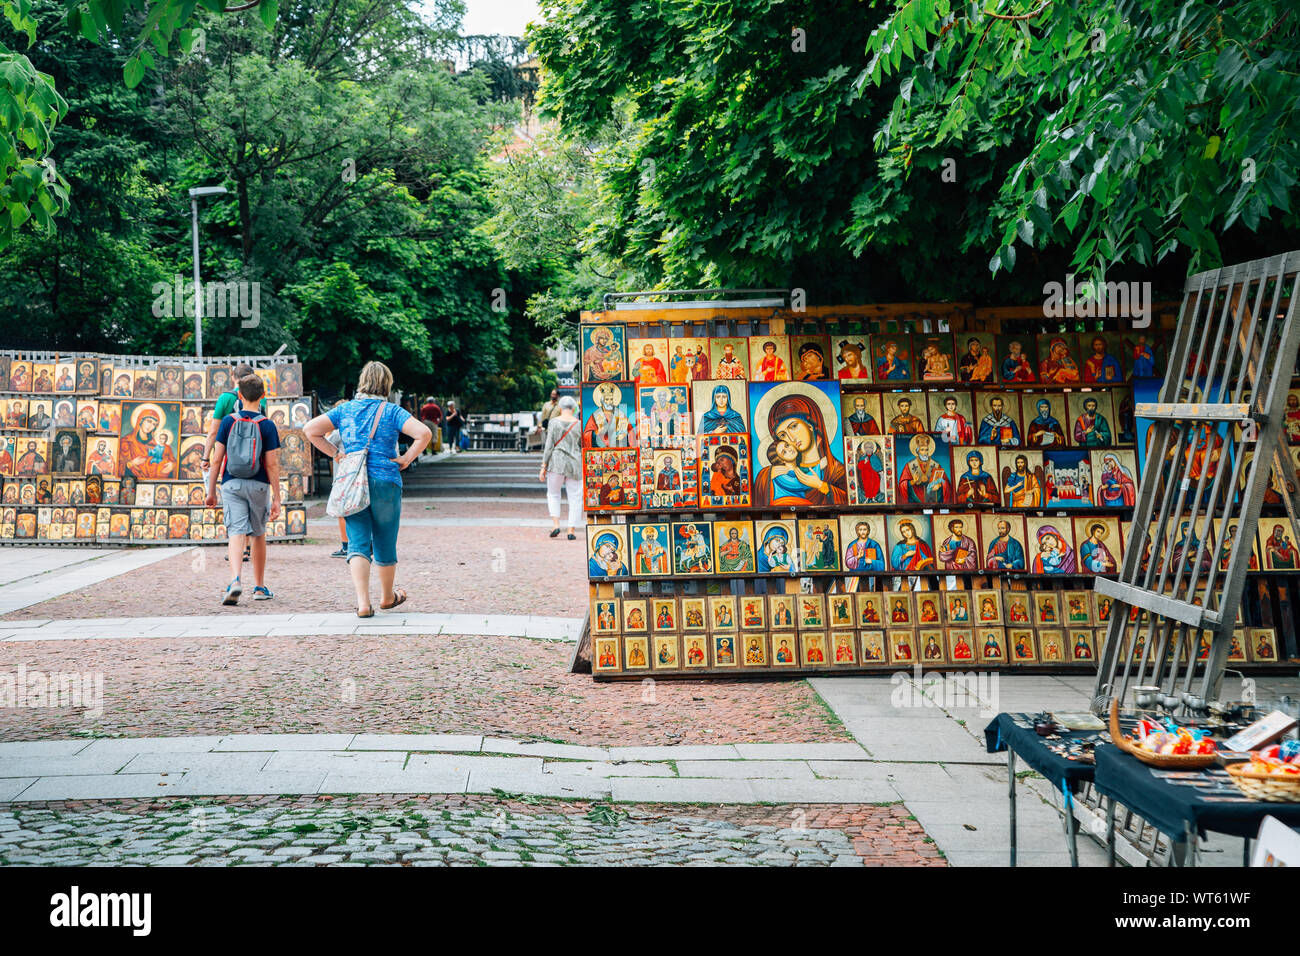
[(246, 504)]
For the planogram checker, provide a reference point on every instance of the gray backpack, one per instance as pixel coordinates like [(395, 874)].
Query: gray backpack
[(244, 446)]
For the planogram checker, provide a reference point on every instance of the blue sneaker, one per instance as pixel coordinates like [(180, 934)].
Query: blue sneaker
[(233, 590), (262, 593)]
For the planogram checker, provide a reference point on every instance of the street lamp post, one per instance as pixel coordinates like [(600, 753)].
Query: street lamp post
[(197, 193)]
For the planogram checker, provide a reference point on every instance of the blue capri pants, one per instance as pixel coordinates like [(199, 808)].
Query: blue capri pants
[(372, 532)]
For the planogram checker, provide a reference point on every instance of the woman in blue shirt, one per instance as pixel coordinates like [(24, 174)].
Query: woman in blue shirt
[(372, 532)]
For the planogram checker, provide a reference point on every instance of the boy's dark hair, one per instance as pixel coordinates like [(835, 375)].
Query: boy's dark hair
[(251, 388)]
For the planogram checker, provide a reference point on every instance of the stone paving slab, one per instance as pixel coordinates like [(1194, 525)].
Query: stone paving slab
[(569, 787), (42, 748), (607, 769), (454, 743), (101, 787), (178, 763), (801, 752), (497, 745), (11, 787), (77, 765), (394, 781), (684, 752), (285, 742), (332, 761), (745, 769), (456, 762), (651, 790), (146, 745), (203, 783), (822, 791)]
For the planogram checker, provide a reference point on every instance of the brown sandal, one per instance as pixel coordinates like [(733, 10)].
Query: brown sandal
[(369, 613), (399, 596)]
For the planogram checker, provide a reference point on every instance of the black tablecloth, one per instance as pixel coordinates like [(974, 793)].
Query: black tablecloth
[(1003, 734), (1170, 806)]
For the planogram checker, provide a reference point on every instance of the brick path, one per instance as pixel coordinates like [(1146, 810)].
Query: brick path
[(455, 830)]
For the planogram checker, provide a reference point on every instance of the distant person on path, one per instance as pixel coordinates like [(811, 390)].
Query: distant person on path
[(372, 532), (562, 464), (455, 421), (431, 415), (552, 407), (247, 454)]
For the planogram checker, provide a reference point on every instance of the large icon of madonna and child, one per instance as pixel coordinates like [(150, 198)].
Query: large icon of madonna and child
[(797, 442)]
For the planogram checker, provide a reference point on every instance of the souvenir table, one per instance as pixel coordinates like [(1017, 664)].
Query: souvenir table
[(1015, 734), (1182, 804)]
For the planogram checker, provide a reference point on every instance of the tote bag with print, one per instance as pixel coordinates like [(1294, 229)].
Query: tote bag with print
[(350, 491)]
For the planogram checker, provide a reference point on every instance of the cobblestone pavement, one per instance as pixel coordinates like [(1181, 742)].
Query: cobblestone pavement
[(455, 831), (484, 570), (498, 686)]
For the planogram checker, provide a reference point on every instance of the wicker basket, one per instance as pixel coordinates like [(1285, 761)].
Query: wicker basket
[(1162, 761), (1275, 788)]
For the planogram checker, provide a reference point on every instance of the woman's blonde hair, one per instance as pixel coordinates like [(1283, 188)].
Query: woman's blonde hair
[(375, 379)]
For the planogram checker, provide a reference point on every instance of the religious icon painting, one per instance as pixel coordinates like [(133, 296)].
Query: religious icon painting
[(663, 614), (1083, 647), (1051, 645), (1124, 424), (1051, 544), (1018, 608), (110, 417), (295, 452), (1067, 478), (952, 416), (978, 357), (813, 646), (839, 608), (150, 439), (1103, 358), (603, 353), (1114, 478), (636, 652), (1078, 608), (20, 376), (668, 478), (783, 650), (891, 358), (957, 608), (300, 412), (269, 384), (733, 547), (728, 359), (753, 612), (1022, 646), (16, 413), (43, 377), (607, 553), (797, 444), (692, 612), (278, 412), (666, 654), (191, 420), (288, 380), (720, 408), (997, 420), (65, 412), (862, 544), (1058, 362), (86, 523), (647, 360), (695, 651), (296, 522), (609, 416), (7, 446), (1145, 355), (754, 648), (933, 354), (43, 524), (898, 605), (811, 358), (781, 611), (663, 413), (861, 413), (988, 607), (976, 481), (611, 480), (905, 413), (1263, 644), (928, 604), (956, 542), (910, 543), (65, 377), (144, 383), (1015, 359), (930, 645), (88, 414), (1023, 477), (192, 385), (1237, 646), (692, 548), (724, 650), (1045, 415), (873, 648), (40, 414), (649, 544), (852, 359), (219, 381), (811, 611), (724, 471), (119, 524), (961, 645), (1091, 419), (688, 360), (190, 466), (4, 373), (1226, 540), (1047, 608), (991, 645), (818, 550), (924, 464), (25, 523), (1099, 545), (170, 382), (31, 457), (902, 646), (144, 494), (1290, 419), (1279, 551), (869, 468), (634, 617)]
